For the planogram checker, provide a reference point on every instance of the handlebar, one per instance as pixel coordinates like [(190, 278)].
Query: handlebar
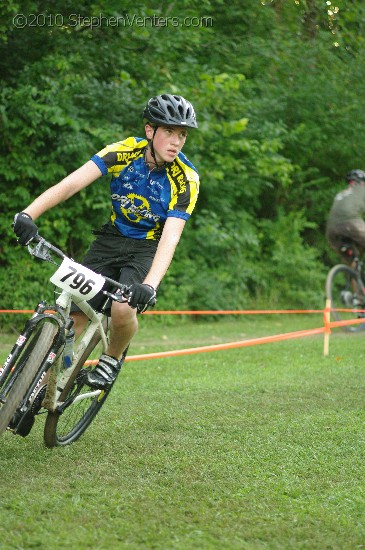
[(43, 250)]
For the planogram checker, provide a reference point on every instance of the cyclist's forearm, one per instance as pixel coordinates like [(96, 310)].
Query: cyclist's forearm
[(47, 200), (63, 190), (165, 251)]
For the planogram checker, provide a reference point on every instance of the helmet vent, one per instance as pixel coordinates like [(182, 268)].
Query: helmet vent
[(170, 110)]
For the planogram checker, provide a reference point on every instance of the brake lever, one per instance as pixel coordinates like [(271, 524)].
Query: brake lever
[(41, 250), (116, 296)]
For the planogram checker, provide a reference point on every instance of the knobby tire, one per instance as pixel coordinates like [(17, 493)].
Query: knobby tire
[(30, 365), (65, 428), (342, 278)]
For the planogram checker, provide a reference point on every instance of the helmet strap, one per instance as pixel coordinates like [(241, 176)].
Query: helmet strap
[(152, 147)]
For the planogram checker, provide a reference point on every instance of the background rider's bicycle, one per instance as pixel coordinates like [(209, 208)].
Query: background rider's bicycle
[(37, 377), (346, 291)]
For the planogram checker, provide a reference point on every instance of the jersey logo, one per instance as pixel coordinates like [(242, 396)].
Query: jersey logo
[(126, 157), (178, 177), (135, 207)]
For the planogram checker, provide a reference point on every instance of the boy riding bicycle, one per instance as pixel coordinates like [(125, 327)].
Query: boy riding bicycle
[(345, 225), (154, 189), (345, 230)]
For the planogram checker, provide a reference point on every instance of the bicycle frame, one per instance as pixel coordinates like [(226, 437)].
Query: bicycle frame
[(51, 369), (59, 377), (356, 264), (52, 364)]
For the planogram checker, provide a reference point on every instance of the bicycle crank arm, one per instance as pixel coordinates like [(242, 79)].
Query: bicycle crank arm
[(89, 395)]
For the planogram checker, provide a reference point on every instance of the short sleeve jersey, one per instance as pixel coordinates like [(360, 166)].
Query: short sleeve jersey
[(349, 204), (143, 199)]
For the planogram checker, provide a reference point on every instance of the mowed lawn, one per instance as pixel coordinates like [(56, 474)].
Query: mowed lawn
[(257, 447)]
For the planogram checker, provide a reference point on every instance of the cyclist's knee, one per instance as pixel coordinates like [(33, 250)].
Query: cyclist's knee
[(123, 315)]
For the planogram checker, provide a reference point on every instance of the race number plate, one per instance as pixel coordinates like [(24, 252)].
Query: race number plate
[(78, 280)]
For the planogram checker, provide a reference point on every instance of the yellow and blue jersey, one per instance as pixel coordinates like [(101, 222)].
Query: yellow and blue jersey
[(143, 199)]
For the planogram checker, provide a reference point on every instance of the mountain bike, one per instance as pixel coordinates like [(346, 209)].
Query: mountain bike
[(35, 378), (346, 290)]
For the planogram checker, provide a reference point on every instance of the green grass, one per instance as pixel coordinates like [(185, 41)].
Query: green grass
[(251, 448)]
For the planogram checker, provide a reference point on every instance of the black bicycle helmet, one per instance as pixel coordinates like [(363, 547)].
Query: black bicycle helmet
[(355, 175), (170, 110)]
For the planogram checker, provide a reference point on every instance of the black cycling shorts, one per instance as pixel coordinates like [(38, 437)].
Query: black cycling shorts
[(120, 258)]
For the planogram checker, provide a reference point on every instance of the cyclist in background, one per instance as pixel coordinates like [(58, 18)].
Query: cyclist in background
[(154, 188), (345, 224)]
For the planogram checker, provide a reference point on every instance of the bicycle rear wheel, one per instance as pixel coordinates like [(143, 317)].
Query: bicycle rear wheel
[(25, 371), (345, 292), (63, 428)]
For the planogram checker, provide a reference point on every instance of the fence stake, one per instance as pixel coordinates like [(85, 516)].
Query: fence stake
[(327, 327)]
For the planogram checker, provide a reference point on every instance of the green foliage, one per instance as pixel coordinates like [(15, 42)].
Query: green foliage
[(291, 274), (278, 91)]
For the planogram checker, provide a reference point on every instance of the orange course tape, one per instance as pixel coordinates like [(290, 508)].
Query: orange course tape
[(218, 347), (229, 345), (202, 312), (243, 343)]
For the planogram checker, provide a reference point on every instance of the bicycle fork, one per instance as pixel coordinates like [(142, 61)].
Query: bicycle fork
[(16, 363)]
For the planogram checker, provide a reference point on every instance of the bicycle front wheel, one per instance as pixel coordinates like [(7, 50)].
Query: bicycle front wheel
[(63, 428), (26, 371), (345, 293)]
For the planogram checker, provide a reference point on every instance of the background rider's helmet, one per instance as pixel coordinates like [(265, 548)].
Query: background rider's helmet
[(358, 176), (170, 110)]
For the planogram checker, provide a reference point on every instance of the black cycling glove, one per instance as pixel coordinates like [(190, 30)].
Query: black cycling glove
[(141, 296), (24, 228)]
